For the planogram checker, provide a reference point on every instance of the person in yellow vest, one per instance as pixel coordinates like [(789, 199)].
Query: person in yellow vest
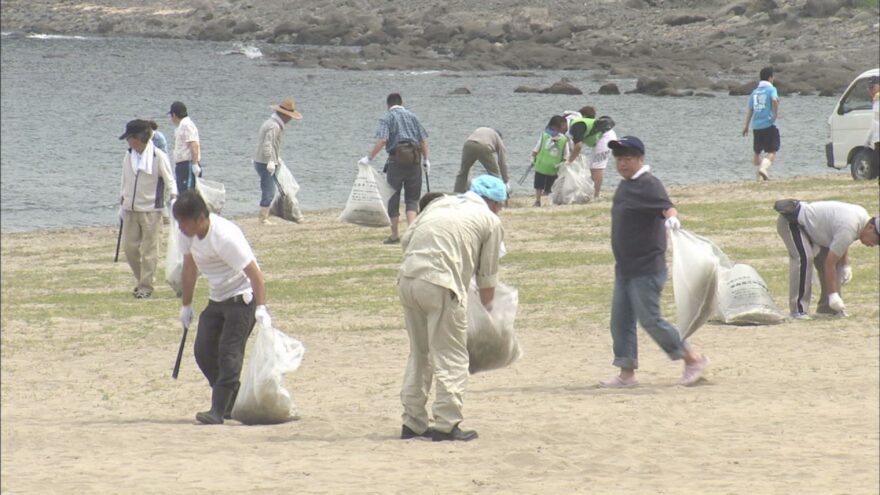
[(549, 153), (594, 134)]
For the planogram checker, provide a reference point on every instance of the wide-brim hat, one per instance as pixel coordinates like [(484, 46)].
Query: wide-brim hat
[(288, 107)]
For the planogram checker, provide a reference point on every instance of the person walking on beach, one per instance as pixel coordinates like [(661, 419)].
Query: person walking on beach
[(216, 247), (146, 174), (762, 114), (453, 239), (406, 142), (819, 234), (593, 134), (483, 144), (268, 155), (640, 214), (549, 153), (187, 148)]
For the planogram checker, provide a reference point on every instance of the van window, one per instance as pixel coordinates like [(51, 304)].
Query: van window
[(857, 98)]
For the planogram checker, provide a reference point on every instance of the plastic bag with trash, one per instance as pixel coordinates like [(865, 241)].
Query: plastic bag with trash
[(695, 262), (744, 299), (213, 192), (285, 204), (262, 398), (573, 184), (174, 260), (368, 202), (491, 340)]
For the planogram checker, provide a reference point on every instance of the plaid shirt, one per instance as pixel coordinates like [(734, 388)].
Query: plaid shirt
[(398, 125)]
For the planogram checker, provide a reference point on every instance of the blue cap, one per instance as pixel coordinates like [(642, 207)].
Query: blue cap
[(490, 187), (630, 142)]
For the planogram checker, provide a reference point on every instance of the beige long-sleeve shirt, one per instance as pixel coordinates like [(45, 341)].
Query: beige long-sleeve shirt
[(490, 138), (269, 141), (453, 239)]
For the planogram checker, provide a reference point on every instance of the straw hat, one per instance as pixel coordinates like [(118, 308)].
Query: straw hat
[(288, 107)]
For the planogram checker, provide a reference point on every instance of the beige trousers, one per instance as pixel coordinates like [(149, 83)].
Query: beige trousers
[(140, 239), (437, 326), (470, 153)]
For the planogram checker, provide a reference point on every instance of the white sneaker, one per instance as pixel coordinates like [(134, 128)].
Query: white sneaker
[(763, 169), (800, 316)]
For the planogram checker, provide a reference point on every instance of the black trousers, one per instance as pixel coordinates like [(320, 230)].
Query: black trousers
[(224, 328), (184, 176)]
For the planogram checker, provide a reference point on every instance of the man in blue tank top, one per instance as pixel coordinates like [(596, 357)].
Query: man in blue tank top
[(763, 110)]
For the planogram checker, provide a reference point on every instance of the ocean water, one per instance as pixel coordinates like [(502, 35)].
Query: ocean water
[(65, 101)]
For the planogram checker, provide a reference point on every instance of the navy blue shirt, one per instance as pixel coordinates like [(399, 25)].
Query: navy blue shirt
[(638, 230)]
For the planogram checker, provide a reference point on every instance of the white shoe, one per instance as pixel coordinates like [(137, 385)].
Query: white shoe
[(764, 168)]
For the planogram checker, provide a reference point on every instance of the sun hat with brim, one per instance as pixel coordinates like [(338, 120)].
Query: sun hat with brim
[(288, 107), (490, 187)]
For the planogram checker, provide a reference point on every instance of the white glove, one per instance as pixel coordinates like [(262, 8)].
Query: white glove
[(672, 223), (847, 273), (835, 302), (270, 167), (197, 169), (364, 161), (427, 165), (186, 315), (263, 317)]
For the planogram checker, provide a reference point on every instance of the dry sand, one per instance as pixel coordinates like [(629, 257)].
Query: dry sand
[(88, 404)]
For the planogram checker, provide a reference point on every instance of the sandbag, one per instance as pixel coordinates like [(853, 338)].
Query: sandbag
[(262, 398), (573, 184), (694, 279), (368, 202), (744, 299), (174, 260), (285, 204), (213, 192), (491, 340)]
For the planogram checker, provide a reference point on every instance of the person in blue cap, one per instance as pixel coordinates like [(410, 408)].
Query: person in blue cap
[(454, 239), (640, 214)]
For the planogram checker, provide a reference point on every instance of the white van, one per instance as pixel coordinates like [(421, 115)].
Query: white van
[(848, 129)]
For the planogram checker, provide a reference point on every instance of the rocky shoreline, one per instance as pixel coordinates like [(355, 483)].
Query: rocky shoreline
[(673, 47)]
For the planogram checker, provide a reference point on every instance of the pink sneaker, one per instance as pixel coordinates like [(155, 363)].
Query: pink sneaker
[(618, 382), (694, 372)]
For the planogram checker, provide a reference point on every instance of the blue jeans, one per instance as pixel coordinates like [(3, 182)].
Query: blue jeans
[(638, 298), (267, 184)]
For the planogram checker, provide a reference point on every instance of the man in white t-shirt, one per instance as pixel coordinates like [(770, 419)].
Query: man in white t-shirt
[(218, 249), (187, 148), (820, 234)]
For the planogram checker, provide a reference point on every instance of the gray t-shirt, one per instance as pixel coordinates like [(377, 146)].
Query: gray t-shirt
[(833, 224)]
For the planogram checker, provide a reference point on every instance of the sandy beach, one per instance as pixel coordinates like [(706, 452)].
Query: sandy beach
[(89, 406)]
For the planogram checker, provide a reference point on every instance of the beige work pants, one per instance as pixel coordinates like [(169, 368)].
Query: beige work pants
[(437, 326), (470, 153), (140, 239)]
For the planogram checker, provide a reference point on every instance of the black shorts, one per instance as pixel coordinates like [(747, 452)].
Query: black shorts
[(766, 140), (544, 182)]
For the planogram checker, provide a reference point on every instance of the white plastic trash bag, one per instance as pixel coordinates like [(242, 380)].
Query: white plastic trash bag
[(174, 260), (262, 398), (491, 340), (573, 184), (695, 262), (285, 204), (744, 299), (368, 202), (213, 192)]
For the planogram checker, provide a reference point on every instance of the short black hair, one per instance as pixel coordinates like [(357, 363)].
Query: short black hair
[(766, 73), (428, 197), (556, 121), (394, 99), (178, 109), (588, 112), (153, 124), (190, 206)]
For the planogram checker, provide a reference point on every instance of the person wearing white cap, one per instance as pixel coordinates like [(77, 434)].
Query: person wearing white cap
[(268, 155), (453, 239), (820, 234)]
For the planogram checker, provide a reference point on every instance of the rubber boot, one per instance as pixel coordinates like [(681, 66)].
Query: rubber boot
[(220, 397), (228, 413), (264, 216)]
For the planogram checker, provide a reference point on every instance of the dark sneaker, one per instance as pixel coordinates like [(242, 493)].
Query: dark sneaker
[(209, 418), (391, 240), (406, 433), (457, 434)]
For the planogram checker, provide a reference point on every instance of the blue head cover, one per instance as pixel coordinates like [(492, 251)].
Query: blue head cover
[(490, 187)]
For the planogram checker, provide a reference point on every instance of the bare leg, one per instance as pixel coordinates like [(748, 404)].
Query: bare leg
[(410, 217), (538, 193), (394, 228), (596, 174)]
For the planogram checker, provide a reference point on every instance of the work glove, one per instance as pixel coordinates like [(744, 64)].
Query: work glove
[(427, 165), (364, 161), (263, 317), (197, 169), (186, 315), (835, 302), (847, 273), (270, 167), (672, 223)]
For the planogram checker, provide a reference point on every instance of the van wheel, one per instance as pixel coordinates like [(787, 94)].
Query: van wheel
[(864, 165)]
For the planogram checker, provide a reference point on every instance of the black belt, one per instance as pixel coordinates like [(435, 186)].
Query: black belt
[(239, 299), (185, 162)]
